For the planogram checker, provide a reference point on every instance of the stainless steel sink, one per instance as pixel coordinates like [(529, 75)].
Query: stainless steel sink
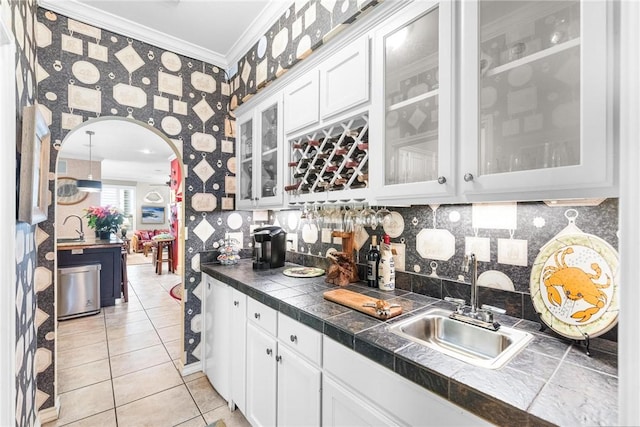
[(69, 239), (466, 342)]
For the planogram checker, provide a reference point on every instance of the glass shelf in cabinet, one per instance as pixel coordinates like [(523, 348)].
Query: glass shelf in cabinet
[(541, 54), (413, 100)]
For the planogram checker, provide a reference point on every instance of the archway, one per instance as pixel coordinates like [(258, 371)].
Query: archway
[(131, 151)]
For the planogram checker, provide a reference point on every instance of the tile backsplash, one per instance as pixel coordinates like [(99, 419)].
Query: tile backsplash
[(433, 239)]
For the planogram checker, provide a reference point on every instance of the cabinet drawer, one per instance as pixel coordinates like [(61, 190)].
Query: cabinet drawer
[(303, 339), (262, 315)]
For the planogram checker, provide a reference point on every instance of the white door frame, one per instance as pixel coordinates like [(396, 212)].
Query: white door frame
[(629, 332), (8, 229)]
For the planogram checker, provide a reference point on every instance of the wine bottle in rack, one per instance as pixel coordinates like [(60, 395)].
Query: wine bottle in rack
[(299, 145), (363, 177), (299, 174), (292, 187), (314, 143), (363, 146), (351, 164), (293, 164)]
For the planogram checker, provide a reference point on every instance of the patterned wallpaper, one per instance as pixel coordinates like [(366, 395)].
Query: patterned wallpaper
[(303, 27), (431, 242), (85, 72), (22, 17)]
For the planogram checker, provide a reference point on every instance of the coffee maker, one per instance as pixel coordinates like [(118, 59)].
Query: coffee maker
[(269, 247)]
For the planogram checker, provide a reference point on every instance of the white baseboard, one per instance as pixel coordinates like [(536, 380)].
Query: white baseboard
[(49, 414), (191, 368)]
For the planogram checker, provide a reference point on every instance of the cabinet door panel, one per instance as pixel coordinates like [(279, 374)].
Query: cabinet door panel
[(298, 391), (301, 102), (261, 377), (344, 78), (535, 118), (341, 408), (238, 348), (218, 337), (244, 177), (413, 102)]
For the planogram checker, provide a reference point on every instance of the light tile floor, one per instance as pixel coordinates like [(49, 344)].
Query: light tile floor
[(119, 367)]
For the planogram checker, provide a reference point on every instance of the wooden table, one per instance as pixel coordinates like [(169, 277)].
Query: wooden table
[(161, 245)]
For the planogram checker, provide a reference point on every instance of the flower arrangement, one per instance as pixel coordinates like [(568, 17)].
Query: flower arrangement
[(104, 218)]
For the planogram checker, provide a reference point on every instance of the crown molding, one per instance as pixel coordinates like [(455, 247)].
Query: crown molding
[(256, 29), (107, 21)]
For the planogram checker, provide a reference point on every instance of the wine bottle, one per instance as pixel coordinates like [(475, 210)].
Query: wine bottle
[(292, 187), (373, 259), (386, 267)]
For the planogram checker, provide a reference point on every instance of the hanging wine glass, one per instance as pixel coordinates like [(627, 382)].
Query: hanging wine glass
[(350, 217), (368, 217), (383, 216)]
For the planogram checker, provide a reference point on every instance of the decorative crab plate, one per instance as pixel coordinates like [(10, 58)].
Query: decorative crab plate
[(574, 283), (303, 272)]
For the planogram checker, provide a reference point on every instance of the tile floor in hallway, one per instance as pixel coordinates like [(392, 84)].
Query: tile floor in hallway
[(119, 367)]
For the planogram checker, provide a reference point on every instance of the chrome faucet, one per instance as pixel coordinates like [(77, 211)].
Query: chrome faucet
[(80, 232), (482, 316)]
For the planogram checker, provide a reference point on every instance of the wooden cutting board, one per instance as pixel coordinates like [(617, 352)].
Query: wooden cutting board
[(357, 301)]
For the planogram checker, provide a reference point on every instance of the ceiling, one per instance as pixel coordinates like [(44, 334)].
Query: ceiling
[(215, 31), (127, 151)]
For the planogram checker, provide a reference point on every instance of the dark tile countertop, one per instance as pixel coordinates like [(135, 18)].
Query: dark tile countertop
[(551, 382)]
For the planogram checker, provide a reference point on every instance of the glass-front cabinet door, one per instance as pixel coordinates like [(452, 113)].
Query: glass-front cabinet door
[(245, 153), (259, 142), (535, 86), (270, 190), (414, 87)]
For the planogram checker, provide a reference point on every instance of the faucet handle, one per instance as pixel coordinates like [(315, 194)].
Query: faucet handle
[(459, 302), (493, 309)]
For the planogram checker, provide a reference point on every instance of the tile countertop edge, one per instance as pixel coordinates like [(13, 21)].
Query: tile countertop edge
[(468, 397)]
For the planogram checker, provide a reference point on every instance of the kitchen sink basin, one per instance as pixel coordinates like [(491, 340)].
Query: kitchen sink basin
[(463, 341), (69, 239)]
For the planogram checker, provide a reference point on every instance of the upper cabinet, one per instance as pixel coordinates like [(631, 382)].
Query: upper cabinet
[(344, 78), (411, 113), (338, 84), (535, 99), (260, 145), (302, 103)]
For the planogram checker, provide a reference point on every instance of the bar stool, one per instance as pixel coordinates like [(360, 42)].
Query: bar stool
[(124, 288), (163, 244)]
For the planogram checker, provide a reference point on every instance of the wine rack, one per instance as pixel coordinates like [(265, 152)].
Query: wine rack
[(329, 159)]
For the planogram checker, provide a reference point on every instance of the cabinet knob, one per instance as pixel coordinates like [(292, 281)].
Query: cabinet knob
[(236, 303), (442, 180), (293, 338), (279, 359), (256, 315), (468, 177), (269, 352)]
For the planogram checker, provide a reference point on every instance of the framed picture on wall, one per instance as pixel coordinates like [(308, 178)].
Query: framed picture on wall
[(34, 167), (152, 214)]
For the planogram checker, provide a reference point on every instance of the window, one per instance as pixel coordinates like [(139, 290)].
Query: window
[(123, 197)]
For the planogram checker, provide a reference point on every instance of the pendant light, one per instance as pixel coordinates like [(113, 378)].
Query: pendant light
[(89, 185)]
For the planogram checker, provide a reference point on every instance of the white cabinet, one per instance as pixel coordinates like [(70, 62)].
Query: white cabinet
[(344, 78), (283, 379), (261, 377), (299, 389), (259, 150), (217, 312), (536, 92), (412, 116), (224, 340), (342, 408), (401, 400), (238, 348), (301, 102)]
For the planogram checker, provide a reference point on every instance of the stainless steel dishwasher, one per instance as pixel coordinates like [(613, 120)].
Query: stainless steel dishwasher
[(78, 291)]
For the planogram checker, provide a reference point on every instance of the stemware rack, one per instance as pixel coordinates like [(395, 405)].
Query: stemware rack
[(333, 158)]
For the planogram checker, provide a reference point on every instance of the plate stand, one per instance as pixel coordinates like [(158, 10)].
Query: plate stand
[(543, 327)]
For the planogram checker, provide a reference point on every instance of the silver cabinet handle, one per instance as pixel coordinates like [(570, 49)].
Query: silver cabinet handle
[(269, 351), (279, 359), (442, 180), (293, 338), (468, 177), (256, 315)]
